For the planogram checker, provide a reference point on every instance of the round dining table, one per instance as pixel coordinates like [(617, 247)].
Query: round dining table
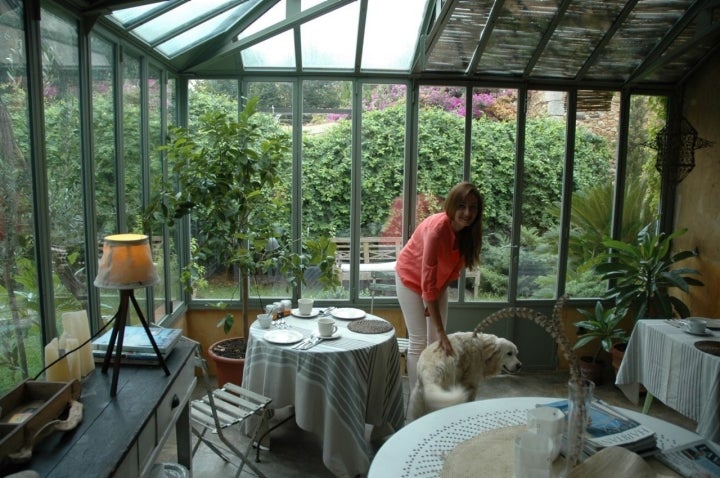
[(419, 449), (336, 387)]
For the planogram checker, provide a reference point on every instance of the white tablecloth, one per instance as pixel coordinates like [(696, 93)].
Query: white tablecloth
[(663, 358), (419, 449), (336, 387)]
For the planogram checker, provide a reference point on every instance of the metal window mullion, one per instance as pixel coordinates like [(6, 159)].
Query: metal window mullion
[(567, 190), (355, 190), (38, 169), (88, 172), (517, 196), (296, 211)]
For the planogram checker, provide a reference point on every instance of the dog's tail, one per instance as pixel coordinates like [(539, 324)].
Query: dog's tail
[(437, 397)]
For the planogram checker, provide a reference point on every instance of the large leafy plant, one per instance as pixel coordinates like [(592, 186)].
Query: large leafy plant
[(227, 174), (602, 325), (642, 272)]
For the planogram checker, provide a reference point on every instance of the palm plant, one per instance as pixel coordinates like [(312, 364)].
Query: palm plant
[(643, 272)]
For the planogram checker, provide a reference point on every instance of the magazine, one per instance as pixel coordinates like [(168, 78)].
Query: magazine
[(608, 427), (136, 339), (129, 358), (694, 460)]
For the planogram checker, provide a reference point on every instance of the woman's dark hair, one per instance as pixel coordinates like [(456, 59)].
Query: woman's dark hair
[(470, 238)]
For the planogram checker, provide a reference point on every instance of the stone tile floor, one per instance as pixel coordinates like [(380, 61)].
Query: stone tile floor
[(297, 453)]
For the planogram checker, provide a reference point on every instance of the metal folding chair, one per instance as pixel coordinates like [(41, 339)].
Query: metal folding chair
[(224, 407)]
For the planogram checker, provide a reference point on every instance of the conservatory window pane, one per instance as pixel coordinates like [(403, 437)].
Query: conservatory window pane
[(441, 146), (382, 164), (593, 189), (543, 171), (155, 134), (127, 15), (21, 347), (330, 40), (220, 280), (326, 153), (275, 52), (492, 160), (389, 44)]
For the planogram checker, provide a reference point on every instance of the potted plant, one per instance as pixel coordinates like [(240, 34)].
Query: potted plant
[(642, 273), (227, 172), (602, 325)]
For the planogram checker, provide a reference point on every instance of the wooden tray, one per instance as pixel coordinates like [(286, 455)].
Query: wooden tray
[(27, 408)]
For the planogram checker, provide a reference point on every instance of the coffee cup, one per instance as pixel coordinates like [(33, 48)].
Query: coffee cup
[(533, 455), (305, 306), (326, 326), (695, 325), (548, 421), (264, 321)]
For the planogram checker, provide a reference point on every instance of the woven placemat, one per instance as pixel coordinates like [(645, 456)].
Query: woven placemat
[(367, 326), (708, 346)]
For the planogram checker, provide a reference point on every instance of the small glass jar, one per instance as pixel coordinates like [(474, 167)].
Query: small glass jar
[(286, 306), (271, 311)]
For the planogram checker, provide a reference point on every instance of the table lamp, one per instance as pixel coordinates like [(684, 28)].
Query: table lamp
[(126, 264)]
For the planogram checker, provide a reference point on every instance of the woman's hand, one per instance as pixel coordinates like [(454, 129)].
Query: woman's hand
[(445, 345)]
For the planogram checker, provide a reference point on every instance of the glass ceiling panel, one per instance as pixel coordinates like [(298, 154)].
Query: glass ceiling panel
[(389, 42), (576, 37), (516, 35), (202, 32), (641, 31), (330, 41), (184, 14), (129, 15), (456, 45), (275, 52)]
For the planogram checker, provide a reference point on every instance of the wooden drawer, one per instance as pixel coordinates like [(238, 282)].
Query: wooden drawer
[(176, 398)]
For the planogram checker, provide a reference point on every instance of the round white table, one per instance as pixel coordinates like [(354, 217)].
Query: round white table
[(418, 449)]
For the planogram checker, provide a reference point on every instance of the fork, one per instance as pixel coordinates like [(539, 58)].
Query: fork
[(303, 343)]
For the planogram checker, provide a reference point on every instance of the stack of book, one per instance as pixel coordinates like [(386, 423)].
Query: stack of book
[(136, 347), (608, 427)]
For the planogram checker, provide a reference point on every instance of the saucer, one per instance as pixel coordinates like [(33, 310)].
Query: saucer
[(334, 336), (703, 334), (315, 312)]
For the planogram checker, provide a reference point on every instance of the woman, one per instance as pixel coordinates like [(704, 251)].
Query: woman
[(439, 248)]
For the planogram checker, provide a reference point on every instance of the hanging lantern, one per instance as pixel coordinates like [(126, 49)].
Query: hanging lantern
[(676, 150)]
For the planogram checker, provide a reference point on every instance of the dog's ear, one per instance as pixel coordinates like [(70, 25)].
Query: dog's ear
[(491, 349)]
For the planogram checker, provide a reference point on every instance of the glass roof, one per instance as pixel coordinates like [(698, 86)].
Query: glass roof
[(329, 31), (599, 42)]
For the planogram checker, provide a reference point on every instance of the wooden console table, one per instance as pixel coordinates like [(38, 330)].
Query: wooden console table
[(123, 436)]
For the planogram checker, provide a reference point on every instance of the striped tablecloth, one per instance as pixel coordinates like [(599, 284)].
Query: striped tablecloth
[(664, 359), (336, 387)]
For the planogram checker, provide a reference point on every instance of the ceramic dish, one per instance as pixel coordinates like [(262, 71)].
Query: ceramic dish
[(283, 336), (348, 313), (334, 336), (296, 312), (704, 334)]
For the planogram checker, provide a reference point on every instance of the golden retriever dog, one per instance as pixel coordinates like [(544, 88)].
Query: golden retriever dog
[(444, 380)]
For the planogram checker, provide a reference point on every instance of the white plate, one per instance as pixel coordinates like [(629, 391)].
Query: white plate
[(314, 313), (348, 313), (283, 336), (704, 334)]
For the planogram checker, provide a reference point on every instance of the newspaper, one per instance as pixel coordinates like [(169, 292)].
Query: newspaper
[(608, 427), (695, 460)]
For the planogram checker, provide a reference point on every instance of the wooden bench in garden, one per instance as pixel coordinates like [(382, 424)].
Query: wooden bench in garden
[(377, 256)]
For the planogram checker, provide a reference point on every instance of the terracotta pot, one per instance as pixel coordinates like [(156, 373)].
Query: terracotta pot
[(592, 371), (228, 368)]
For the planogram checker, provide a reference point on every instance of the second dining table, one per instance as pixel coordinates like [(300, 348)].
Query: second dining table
[(336, 387)]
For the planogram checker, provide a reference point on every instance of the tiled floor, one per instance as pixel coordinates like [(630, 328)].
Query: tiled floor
[(296, 453)]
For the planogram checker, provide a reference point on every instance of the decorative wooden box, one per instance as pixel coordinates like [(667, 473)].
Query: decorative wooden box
[(27, 408)]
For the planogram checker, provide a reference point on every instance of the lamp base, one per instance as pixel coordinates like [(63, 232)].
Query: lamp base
[(118, 332)]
